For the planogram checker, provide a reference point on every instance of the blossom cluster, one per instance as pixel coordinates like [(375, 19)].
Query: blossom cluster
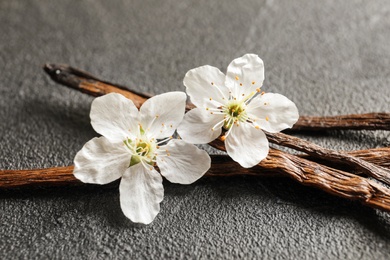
[(135, 142)]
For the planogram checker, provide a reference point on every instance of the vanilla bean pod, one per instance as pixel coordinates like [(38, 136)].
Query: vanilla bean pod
[(369, 121), (63, 176), (319, 152), (60, 176), (89, 84)]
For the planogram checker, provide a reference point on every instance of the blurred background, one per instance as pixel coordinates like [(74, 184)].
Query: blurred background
[(329, 57)]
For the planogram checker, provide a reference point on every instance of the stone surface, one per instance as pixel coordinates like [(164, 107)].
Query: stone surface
[(330, 57)]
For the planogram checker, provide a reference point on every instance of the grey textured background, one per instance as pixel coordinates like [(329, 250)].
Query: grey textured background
[(330, 57)]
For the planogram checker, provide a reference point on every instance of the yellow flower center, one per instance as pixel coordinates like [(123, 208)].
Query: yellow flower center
[(234, 113), (141, 150)]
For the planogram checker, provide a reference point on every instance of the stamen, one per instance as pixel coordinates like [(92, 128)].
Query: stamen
[(215, 102), (227, 133), (160, 156), (219, 109), (220, 91), (250, 97), (217, 124), (164, 140), (150, 124)]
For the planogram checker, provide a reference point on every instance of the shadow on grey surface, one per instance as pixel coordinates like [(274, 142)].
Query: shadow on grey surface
[(68, 119), (365, 138), (319, 202)]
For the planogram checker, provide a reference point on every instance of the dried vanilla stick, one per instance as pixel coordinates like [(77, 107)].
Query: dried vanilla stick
[(89, 84), (333, 181), (333, 156)]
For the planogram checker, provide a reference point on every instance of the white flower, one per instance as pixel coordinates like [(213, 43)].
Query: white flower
[(133, 142), (234, 102)]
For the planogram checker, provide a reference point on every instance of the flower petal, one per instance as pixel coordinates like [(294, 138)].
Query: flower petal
[(141, 192), (114, 117), (161, 114), (247, 145), (245, 75), (197, 126), (100, 161), (185, 162), (273, 112), (206, 86)]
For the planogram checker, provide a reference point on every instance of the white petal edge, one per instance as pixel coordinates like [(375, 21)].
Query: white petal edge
[(185, 164), (141, 192), (196, 127), (247, 145), (273, 112), (206, 86), (101, 162), (114, 116), (161, 114), (245, 75)]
